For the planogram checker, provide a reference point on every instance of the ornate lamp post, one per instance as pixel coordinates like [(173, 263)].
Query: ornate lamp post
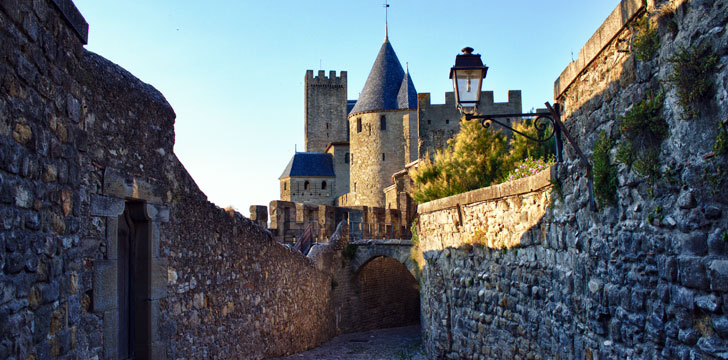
[(468, 75)]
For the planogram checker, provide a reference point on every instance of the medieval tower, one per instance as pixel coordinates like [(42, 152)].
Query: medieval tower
[(386, 107), (325, 112)]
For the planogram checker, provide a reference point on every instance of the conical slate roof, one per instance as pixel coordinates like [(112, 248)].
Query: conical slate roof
[(407, 96), (383, 84)]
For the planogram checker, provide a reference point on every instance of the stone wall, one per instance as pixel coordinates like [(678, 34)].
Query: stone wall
[(645, 278), (98, 215), (313, 190), (325, 112), (340, 152)]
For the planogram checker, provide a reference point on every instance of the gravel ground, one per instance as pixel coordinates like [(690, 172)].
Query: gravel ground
[(385, 344)]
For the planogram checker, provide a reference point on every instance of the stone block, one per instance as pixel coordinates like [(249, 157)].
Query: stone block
[(718, 271), (157, 213), (106, 206), (112, 237), (110, 335), (695, 244), (159, 278), (105, 291), (691, 273)]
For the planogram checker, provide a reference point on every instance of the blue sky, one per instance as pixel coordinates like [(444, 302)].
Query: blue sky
[(233, 70)]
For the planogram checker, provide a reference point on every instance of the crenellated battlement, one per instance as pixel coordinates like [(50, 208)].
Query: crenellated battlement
[(486, 99), (328, 81)]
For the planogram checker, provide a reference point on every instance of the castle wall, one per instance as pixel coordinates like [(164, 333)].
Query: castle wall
[(311, 190), (645, 278), (85, 149), (441, 122), (325, 109), (370, 172), (341, 155)]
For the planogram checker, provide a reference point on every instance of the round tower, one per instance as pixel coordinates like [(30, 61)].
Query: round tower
[(379, 128)]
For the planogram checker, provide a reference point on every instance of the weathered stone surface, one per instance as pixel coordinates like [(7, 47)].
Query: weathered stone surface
[(646, 278)]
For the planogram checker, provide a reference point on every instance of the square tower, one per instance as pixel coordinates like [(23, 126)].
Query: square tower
[(326, 110)]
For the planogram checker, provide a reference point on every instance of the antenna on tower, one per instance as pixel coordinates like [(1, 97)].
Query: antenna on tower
[(386, 19)]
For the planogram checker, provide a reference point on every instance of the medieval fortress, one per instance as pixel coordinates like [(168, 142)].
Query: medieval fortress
[(354, 147), (110, 250)]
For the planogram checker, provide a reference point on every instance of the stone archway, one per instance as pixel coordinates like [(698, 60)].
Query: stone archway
[(400, 251), (388, 293)]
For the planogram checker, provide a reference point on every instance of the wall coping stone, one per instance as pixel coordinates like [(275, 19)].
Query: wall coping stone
[(493, 192), (74, 18), (615, 22)]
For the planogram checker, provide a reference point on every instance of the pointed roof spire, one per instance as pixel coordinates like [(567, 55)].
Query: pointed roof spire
[(386, 20), (407, 96)]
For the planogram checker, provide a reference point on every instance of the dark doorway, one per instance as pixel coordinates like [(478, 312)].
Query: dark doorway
[(134, 293)]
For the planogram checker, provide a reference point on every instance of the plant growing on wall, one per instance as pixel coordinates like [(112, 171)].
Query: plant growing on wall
[(691, 76), (605, 173), (475, 158), (646, 41), (643, 129)]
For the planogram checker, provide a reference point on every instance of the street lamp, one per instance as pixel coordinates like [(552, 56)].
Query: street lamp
[(467, 78), (468, 75)]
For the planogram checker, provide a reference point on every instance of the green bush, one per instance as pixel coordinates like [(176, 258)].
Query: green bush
[(691, 73), (646, 41), (605, 173), (476, 157), (643, 129), (473, 159)]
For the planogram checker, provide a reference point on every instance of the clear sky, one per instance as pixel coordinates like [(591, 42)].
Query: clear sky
[(233, 70)]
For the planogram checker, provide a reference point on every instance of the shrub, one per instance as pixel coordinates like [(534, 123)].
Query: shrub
[(692, 68), (605, 173), (475, 158), (643, 129), (646, 41)]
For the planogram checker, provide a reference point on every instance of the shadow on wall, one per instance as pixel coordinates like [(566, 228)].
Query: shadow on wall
[(629, 281)]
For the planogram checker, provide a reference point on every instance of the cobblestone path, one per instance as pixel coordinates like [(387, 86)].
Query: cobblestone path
[(385, 344)]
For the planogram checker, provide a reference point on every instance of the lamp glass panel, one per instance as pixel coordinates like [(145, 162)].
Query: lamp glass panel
[(467, 84)]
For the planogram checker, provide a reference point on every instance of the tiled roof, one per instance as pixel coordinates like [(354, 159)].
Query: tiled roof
[(309, 164), (383, 84)]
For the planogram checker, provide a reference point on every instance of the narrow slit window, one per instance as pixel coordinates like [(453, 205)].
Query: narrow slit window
[(383, 123)]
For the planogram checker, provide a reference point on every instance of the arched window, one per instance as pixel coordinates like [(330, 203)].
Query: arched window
[(323, 185), (306, 185)]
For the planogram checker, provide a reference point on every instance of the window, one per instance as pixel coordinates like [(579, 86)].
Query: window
[(354, 187), (306, 185), (447, 121), (358, 125), (323, 185), (383, 157), (284, 186), (383, 123), (429, 122), (327, 126), (346, 158)]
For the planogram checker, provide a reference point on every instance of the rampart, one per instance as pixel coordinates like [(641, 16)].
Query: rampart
[(99, 217), (288, 221), (516, 271)]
